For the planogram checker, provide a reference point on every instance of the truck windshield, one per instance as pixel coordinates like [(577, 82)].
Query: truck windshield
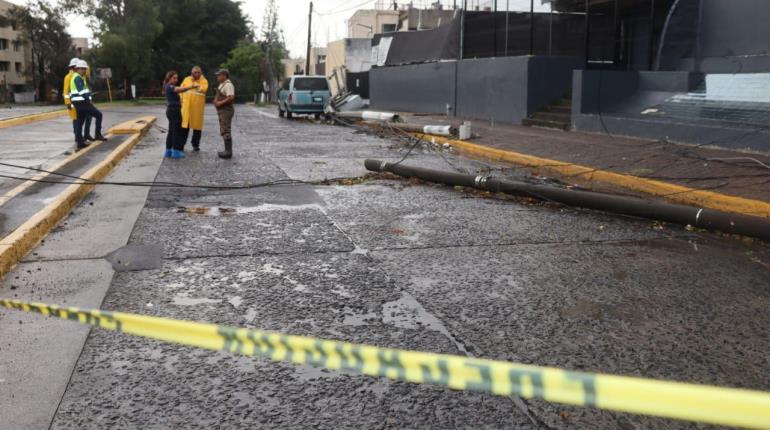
[(310, 84)]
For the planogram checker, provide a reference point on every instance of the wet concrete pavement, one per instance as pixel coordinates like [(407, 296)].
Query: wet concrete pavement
[(45, 143), (405, 265)]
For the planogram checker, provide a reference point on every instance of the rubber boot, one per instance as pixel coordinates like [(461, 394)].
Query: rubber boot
[(228, 152)]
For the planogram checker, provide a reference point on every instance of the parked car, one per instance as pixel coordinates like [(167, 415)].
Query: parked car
[(304, 95)]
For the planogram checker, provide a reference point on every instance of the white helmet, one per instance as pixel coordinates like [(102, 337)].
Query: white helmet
[(74, 62), (82, 64)]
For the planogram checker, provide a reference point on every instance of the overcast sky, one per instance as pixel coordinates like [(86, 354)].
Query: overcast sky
[(329, 21)]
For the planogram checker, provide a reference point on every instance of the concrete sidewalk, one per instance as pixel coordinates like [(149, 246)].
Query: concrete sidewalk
[(726, 172)]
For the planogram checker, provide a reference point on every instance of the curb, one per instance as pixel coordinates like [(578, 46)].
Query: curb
[(28, 119), (127, 127), (22, 240), (671, 192)]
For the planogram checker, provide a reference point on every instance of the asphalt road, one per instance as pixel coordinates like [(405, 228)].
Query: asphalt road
[(380, 261)]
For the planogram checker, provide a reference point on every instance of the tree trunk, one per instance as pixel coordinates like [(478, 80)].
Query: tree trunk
[(127, 83)]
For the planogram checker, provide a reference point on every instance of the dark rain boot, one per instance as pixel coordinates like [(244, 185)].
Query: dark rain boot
[(228, 152)]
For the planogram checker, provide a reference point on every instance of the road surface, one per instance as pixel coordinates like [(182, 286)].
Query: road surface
[(377, 261)]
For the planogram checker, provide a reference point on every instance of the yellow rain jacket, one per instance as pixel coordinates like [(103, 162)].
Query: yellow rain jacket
[(193, 102), (66, 92)]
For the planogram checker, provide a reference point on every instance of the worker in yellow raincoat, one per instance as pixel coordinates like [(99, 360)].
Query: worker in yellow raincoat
[(193, 103)]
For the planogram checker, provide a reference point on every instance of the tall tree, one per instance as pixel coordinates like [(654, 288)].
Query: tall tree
[(43, 29), (244, 64), (126, 31), (142, 39), (198, 32)]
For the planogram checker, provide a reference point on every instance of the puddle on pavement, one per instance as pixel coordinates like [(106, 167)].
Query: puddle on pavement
[(225, 211), (408, 313), (133, 258)]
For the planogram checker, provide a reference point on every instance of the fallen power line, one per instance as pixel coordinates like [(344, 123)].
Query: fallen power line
[(679, 214)]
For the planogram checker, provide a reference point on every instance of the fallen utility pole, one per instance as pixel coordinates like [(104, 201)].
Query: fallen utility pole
[(438, 130), (679, 214), (369, 115)]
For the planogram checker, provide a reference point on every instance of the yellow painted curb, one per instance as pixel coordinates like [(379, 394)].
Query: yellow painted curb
[(28, 119), (672, 192), (133, 126), (30, 182), (17, 244)]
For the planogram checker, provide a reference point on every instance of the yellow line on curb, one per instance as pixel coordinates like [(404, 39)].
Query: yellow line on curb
[(127, 127), (668, 191), (28, 119), (32, 181), (134, 126), (17, 244)]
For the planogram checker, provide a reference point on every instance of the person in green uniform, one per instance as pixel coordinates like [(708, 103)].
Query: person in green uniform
[(223, 101)]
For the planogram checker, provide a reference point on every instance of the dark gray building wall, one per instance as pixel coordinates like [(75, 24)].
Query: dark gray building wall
[(550, 78), (414, 88), (731, 36), (610, 102), (625, 92), (493, 89), (735, 31), (500, 89)]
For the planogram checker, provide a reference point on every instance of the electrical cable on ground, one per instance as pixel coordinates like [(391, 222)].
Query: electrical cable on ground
[(76, 180)]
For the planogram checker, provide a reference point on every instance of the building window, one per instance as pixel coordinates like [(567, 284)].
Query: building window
[(388, 28), (18, 68), (3, 44), (16, 45), (4, 66)]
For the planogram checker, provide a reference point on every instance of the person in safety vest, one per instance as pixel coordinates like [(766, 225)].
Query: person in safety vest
[(193, 103), (80, 96), (66, 92)]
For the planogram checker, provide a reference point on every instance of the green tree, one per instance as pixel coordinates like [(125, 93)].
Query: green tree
[(43, 29), (198, 32), (244, 66), (142, 39), (126, 31)]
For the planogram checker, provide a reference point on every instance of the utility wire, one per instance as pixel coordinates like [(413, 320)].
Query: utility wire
[(159, 184)]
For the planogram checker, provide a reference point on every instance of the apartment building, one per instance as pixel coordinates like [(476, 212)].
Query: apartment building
[(14, 56)]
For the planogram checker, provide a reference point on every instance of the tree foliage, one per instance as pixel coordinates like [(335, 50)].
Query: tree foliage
[(248, 66), (42, 28), (198, 33), (142, 39)]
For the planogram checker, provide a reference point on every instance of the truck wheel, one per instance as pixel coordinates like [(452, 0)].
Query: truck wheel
[(317, 116), (289, 115), (281, 113)]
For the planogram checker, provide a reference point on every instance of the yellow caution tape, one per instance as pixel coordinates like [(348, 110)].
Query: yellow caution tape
[(707, 404)]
